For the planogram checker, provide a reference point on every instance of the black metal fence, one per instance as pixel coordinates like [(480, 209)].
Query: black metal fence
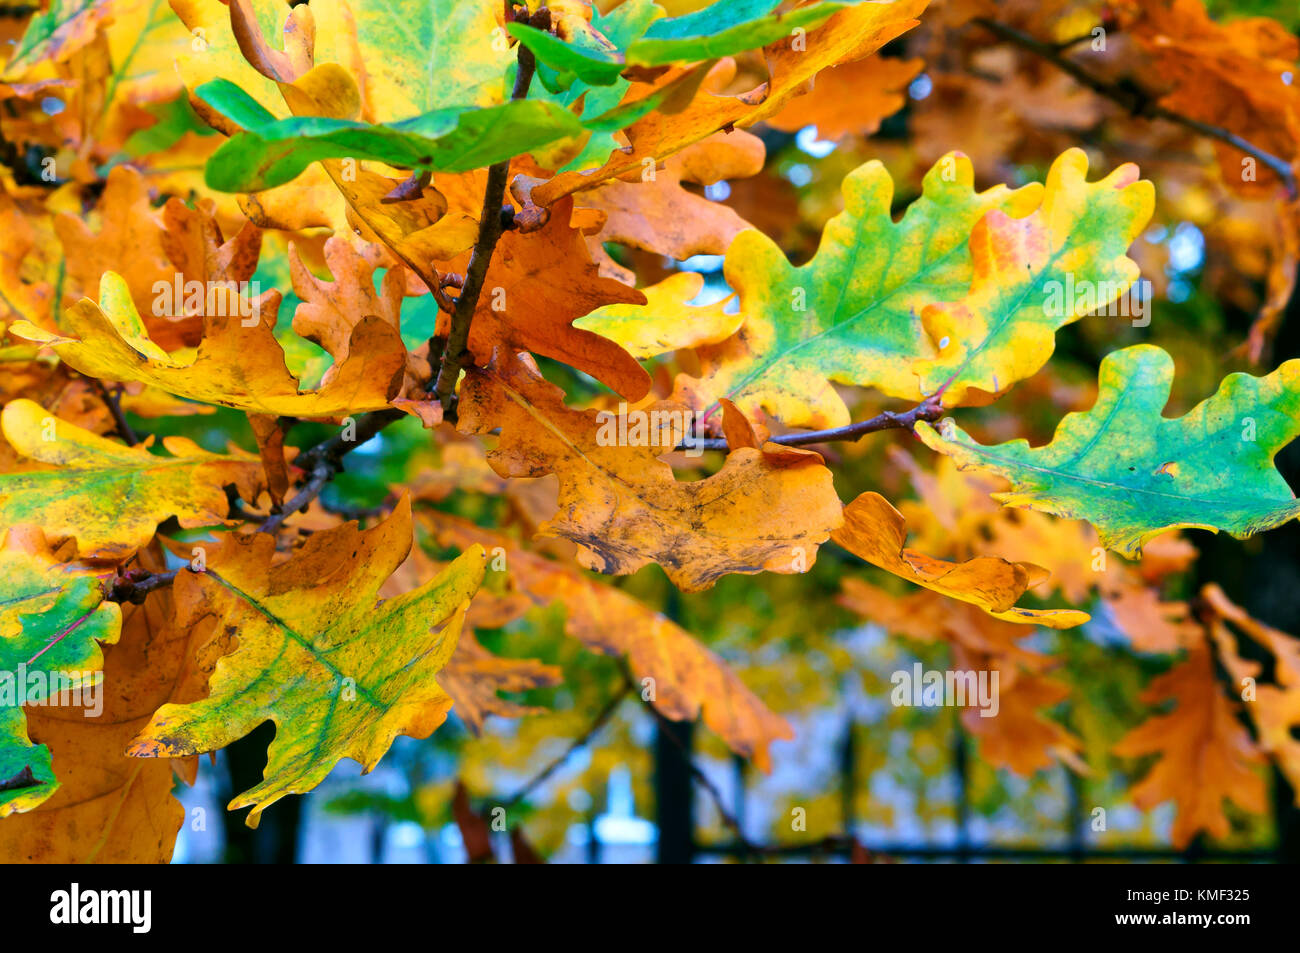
[(675, 796)]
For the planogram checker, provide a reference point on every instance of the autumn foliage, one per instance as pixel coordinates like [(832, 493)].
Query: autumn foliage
[(466, 370)]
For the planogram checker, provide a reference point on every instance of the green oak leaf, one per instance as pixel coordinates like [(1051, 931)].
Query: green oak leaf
[(1134, 473), (270, 151), (852, 313), (52, 623), (721, 29)]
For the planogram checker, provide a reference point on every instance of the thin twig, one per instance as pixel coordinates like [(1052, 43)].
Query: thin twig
[(324, 462), (1138, 101), (703, 781), (578, 743), (114, 405), (930, 409), (490, 228)]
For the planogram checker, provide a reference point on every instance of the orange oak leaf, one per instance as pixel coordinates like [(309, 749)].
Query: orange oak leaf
[(850, 99), (331, 310), (1018, 735), (538, 284), (194, 244), (474, 676), (686, 679), (851, 34), (1231, 75), (1205, 755), (763, 511), (875, 531), (128, 242), (270, 447), (655, 213), (1275, 708)]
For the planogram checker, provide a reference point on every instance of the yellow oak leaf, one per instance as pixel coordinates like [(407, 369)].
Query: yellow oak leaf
[(111, 497), (238, 363), (666, 322), (875, 531)]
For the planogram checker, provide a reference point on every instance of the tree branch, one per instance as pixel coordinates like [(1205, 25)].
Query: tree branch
[(324, 462), (137, 583), (930, 409), (1136, 100), (703, 781), (490, 228), (114, 405), (578, 743)]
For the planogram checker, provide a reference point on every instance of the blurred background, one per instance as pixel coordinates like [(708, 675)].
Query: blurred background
[(591, 775)]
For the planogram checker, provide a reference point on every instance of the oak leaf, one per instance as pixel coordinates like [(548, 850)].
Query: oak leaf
[(766, 510), (1033, 275), (339, 674), (111, 808), (666, 322), (658, 215), (537, 286), (53, 620), (1205, 755), (238, 363), (111, 497), (852, 313), (875, 531), (1133, 473), (687, 679), (850, 99)]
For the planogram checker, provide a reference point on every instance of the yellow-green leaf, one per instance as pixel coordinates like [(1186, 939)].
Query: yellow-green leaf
[(851, 315), (109, 496), (1034, 275), (340, 673)]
